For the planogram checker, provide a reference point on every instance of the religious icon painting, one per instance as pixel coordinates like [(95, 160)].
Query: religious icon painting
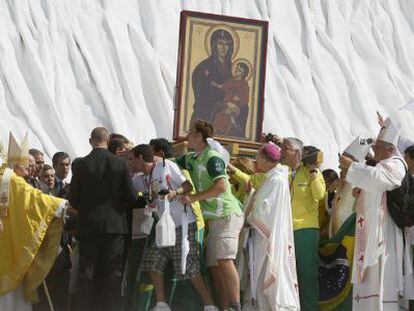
[(221, 75)]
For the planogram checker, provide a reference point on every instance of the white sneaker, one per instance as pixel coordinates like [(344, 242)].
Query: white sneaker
[(210, 308), (161, 306)]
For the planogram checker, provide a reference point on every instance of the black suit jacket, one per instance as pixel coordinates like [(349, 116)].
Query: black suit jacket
[(102, 190)]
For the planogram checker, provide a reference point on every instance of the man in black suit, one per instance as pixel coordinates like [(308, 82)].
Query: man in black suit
[(61, 165), (102, 191)]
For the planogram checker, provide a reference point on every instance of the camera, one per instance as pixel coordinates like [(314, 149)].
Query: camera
[(366, 141), (274, 139), (269, 137), (312, 156), (143, 199), (163, 192)]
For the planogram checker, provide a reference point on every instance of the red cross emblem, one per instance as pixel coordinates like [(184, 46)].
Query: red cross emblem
[(360, 221)]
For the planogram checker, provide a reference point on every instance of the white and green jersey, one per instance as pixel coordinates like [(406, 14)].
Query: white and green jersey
[(204, 170)]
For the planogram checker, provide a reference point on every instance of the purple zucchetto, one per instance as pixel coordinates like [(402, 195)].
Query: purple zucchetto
[(273, 151)]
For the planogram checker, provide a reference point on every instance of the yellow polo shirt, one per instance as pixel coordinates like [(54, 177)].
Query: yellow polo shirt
[(306, 194)]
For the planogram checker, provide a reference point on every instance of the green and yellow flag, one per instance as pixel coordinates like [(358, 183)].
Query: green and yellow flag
[(335, 269)]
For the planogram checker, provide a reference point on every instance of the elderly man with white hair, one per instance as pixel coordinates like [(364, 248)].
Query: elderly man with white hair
[(307, 188)]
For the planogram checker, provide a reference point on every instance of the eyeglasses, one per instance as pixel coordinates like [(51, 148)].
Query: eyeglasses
[(288, 148)]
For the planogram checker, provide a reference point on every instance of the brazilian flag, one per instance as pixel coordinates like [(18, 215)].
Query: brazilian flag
[(335, 268)]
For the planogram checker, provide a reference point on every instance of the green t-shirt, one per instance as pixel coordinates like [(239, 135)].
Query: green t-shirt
[(204, 170)]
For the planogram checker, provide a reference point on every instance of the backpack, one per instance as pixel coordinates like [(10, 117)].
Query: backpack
[(400, 201)]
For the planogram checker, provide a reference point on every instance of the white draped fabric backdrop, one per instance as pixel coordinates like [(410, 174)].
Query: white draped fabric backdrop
[(67, 66)]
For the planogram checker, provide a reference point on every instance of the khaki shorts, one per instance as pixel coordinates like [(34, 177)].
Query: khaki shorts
[(223, 238)]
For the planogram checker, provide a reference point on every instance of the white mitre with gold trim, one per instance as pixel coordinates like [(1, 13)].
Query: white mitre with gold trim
[(18, 154)]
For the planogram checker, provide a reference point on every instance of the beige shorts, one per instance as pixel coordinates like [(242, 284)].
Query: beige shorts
[(223, 238)]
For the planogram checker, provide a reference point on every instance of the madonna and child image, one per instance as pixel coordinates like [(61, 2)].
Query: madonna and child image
[(221, 75)]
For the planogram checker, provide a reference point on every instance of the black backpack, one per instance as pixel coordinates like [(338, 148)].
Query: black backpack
[(400, 201)]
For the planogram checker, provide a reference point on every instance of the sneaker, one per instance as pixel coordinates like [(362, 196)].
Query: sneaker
[(210, 308), (161, 306), (235, 307)]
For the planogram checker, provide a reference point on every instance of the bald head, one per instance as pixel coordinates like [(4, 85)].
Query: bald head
[(99, 137)]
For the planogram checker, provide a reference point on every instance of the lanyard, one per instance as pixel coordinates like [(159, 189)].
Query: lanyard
[(291, 188), (292, 178), (148, 184)]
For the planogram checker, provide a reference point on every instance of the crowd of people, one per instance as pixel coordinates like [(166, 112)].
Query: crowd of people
[(139, 229)]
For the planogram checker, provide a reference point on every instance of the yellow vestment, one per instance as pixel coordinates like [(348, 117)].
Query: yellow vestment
[(30, 240)]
